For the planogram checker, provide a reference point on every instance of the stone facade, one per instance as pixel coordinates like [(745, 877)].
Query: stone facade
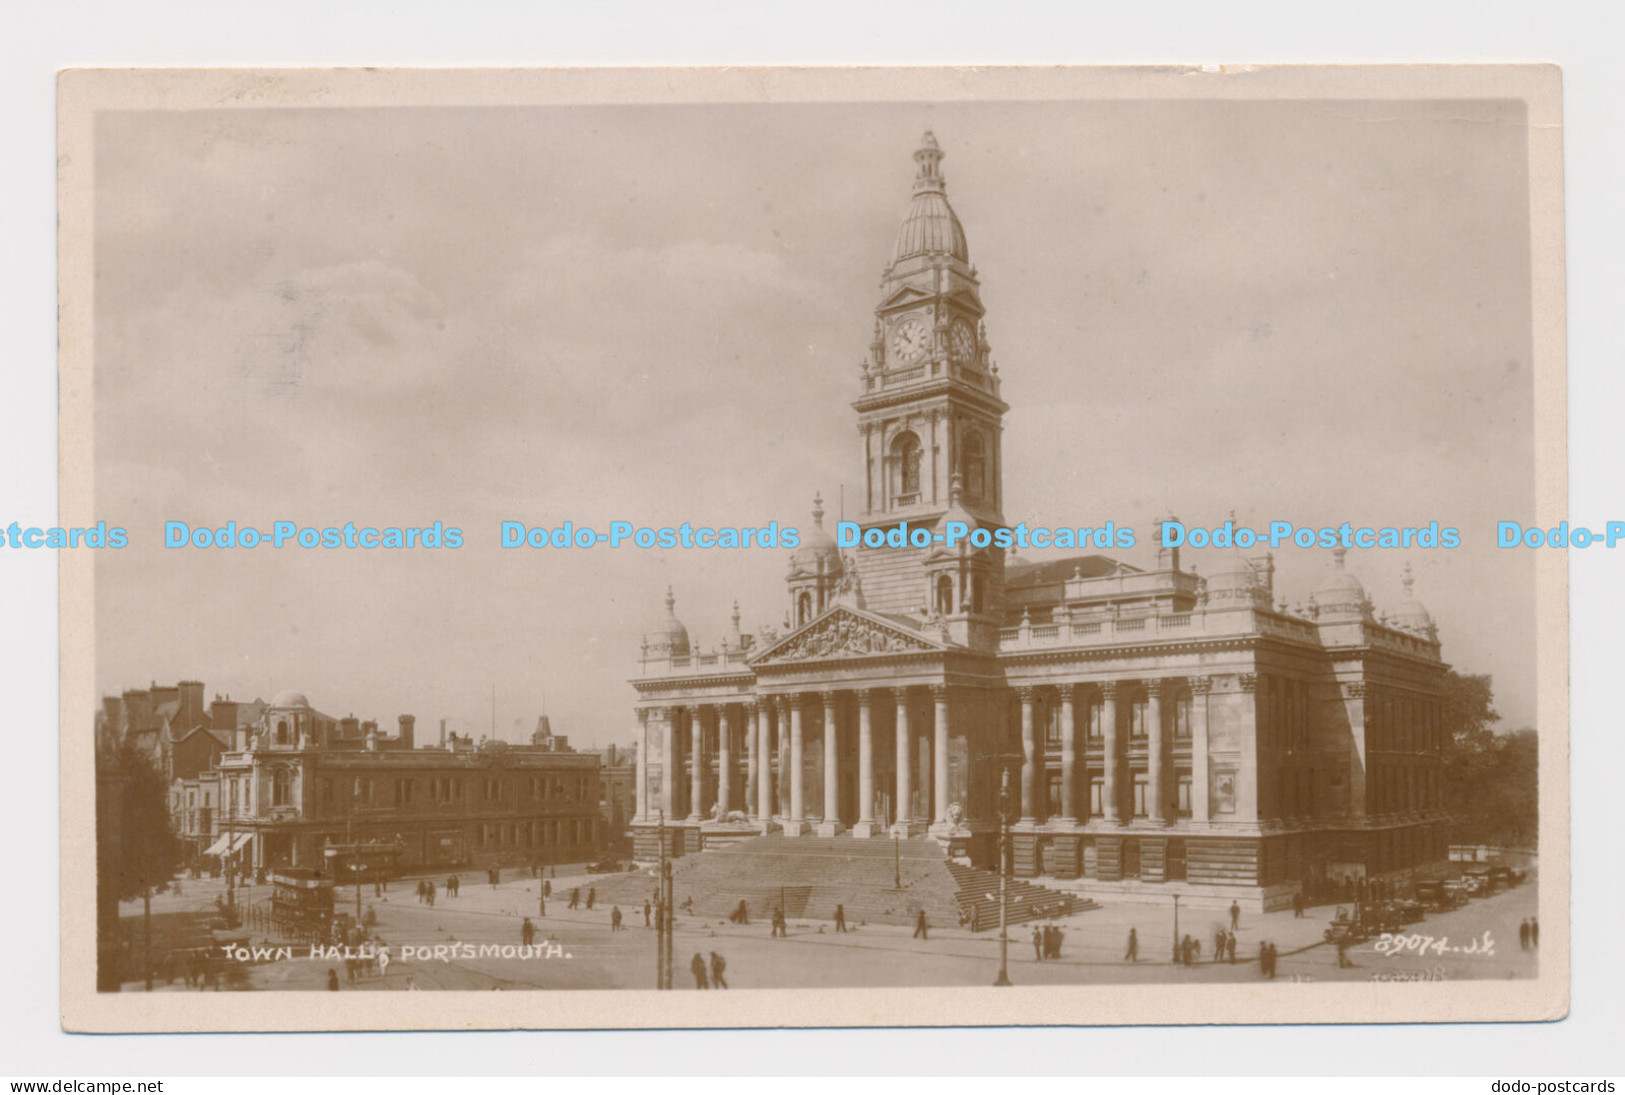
[(1162, 732)]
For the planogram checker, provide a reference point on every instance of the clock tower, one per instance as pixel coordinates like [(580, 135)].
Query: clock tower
[(929, 415)]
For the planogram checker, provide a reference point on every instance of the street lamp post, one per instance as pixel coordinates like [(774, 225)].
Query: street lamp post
[(896, 860), (1004, 884), (1177, 954)]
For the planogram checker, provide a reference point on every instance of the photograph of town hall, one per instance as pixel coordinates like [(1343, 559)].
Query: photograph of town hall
[(948, 764)]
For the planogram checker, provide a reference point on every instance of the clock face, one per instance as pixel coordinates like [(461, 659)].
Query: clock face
[(962, 341), (910, 340)]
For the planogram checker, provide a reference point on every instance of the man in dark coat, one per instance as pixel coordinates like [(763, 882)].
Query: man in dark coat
[(1523, 935), (698, 967), (840, 918), (1235, 916), (920, 929), (718, 966), (1038, 944), (1133, 952)]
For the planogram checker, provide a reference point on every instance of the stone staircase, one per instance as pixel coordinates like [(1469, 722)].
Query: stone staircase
[(879, 881)]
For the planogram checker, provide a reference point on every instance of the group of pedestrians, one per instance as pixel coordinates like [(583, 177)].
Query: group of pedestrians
[(1529, 934), (1047, 941), (718, 967), (1267, 955), (426, 892)]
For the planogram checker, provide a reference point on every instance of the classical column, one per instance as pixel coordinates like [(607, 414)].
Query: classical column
[(866, 767), (1108, 731), (762, 762), (939, 753), (1201, 810), (696, 763), (749, 734), (725, 760), (797, 806), (1029, 758), (905, 765), (642, 770), (1069, 756), (1158, 806), (832, 785), (668, 762), (781, 787)]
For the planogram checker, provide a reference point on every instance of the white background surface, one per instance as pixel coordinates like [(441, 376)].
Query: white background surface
[(37, 38)]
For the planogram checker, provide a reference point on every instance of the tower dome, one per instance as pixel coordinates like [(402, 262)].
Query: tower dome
[(668, 637), (817, 553), (931, 228), (289, 699), (1412, 614), (1340, 593)]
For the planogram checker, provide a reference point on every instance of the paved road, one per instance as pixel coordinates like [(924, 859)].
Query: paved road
[(814, 956)]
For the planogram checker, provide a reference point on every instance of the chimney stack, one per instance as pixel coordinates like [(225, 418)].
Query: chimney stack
[(442, 733), (408, 730)]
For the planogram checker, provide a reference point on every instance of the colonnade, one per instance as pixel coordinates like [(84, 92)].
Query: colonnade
[(1116, 747), (774, 730)]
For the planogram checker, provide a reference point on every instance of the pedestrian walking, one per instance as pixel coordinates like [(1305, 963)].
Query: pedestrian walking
[(1235, 916), (645, 914), (423, 890), (1343, 962), (575, 898), (1523, 935), (1218, 944), (1038, 944), (1534, 933), (1230, 947), (1297, 905), (780, 928), (698, 966), (332, 979), (527, 932), (1060, 937), (1133, 952), (741, 913), (592, 895), (920, 929), (431, 895), (719, 965), (840, 918), (547, 887), (615, 918)]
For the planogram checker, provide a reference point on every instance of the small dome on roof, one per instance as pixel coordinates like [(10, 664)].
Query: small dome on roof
[(289, 699), (668, 637), (1411, 614), (817, 546), (1340, 593)]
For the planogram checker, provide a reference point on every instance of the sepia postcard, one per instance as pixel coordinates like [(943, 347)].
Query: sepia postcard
[(869, 547)]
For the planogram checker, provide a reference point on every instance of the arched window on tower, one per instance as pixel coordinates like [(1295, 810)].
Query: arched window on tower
[(906, 453), (282, 732), (974, 465), (804, 608), (945, 595)]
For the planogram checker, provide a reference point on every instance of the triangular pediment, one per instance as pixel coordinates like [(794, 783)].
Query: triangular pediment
[(846, 632), (905, 295)]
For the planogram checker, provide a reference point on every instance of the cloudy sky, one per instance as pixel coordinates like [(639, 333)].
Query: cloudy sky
[(1313, 312)]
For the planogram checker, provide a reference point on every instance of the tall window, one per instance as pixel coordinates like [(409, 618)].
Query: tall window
[(1182, 717), (1097, 719), (945, 595), (1137, 726), (1142, 794), (975, 465), (1054, 795), (1097, 797), (282, 731), (906, 452), (1184, 802)]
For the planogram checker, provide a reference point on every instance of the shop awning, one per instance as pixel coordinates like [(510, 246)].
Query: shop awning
[(219, 846), (242, 839)]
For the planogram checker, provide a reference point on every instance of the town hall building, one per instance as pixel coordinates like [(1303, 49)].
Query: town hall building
[(1141, 731)]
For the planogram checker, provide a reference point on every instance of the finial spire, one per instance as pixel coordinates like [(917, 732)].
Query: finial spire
[(1337, 557), (818, 509), (1409, 579), (671, 602), (929, 158)]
